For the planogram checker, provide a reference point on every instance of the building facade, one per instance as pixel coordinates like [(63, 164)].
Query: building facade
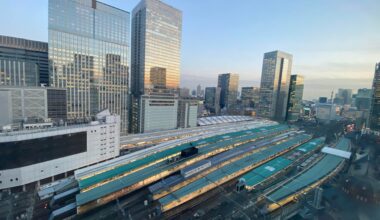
[(249, 96), (187, 113), (295, 97), (374, 119), (343, 97), (155, 56), (32, 104), (363, 99), (23, 62), (88, 48), (274, 87), (212, 100), (156, 44), (41, 156), (229, 85), (157, 112)]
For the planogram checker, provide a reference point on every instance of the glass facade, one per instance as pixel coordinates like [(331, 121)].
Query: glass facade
[(155, 55), (23, 62), (212, 99), (156, 44), (295, 97), (274, 87), (56, 104), (249, 96), (229, 85), (375, 105), (88, 48)]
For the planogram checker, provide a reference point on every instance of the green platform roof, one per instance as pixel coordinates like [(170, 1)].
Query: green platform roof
[(274, 166), (230, 169), (325, 166), (266, 170), (152, 170), (254, 133), (311, 145)]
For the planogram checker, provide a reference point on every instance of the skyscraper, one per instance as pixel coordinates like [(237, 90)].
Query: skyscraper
[(363, 99), (88, 48), (343, 97), (249, 96), (295, 97), (274, 89), (155, 59), (199, 91), (23, 62), (375, 105), (212, 99), (229, 84), (156, 44)]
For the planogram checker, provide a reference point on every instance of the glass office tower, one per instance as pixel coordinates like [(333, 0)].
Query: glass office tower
[(295, 97), (23, 62), (156, 44), (229, 85), (374, 119), (88, 48), (212, 99), (274, 87), (155, 58)]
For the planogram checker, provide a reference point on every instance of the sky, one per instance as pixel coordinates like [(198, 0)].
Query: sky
[(335, 43)]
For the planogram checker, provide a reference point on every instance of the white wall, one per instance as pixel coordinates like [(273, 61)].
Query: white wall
[(103, 142)]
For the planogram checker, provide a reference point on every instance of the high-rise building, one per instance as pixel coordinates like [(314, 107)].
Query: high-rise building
[(212, 99), (156, 44), (274, 88), (374, 118), (249, 96), (23, 62), (155, 57), (187, 112), (363, 99), (199, 91), (88, 48), (322, 100), (228, 84), (295, 97), (343, 97)]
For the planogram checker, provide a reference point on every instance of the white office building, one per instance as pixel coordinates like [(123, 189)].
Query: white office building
[(33, 157)]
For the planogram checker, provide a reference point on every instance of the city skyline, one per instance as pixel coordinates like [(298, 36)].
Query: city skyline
[(321, 45)]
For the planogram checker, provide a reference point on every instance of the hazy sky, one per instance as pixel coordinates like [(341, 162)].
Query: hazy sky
[(335, 43)]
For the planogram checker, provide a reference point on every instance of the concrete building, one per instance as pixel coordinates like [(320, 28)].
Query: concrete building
[(212, 100), (374, 118), (274, 87), (33, 157), (326, 112), (295, 97), (155, 58), (229, 85), (157, 112), (21, 105), (23, 62), (88, 54), (187, 113)]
